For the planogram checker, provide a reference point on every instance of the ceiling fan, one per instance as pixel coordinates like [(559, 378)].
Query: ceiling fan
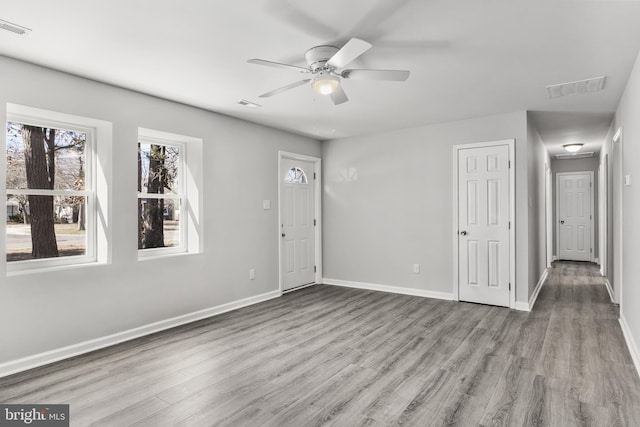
[(327, 65)]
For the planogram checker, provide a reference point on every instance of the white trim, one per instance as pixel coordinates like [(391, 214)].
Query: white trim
[(597, 261), (554, 258), (548, 214), (30, 362), (607, 284), (98, 134), (618, 255), (389, 289), (524, 306), (592, 207), (297, 288), (512, 214), (317, 170), (631, 344)]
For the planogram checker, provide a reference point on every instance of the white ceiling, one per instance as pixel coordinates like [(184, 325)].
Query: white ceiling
[(467, 58)]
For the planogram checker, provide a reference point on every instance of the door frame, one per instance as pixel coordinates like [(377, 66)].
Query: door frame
[(603, 208), (512, 214), (548, 199), (592, 207), (618, 198), (317, 170)]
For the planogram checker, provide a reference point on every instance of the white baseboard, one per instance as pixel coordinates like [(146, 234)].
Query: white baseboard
[(30, 362), (390, 289), (631, 344), (554, 258), (610, 290), (524, 306)]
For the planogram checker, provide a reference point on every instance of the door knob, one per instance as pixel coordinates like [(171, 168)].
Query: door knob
[(283, 234), (562, 222), (463, 233)]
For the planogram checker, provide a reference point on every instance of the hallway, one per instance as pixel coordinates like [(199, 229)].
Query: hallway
[(583, 358)]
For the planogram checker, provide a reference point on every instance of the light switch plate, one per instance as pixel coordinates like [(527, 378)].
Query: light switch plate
[(627, 180)]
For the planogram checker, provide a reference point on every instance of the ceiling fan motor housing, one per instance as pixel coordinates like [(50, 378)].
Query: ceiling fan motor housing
[(318, 56)]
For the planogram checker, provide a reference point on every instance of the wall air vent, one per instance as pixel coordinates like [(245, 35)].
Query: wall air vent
[(582, 155), (14, 28), (573, 88)]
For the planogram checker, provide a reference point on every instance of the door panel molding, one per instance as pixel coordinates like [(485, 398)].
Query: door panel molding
[(510, 143), (317, 183)]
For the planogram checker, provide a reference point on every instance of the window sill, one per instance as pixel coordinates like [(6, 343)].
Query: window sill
[(53, 268), (150, 256)]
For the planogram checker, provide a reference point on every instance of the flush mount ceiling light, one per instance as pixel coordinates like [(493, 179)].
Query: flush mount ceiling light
[(573, 148), (325, 84)]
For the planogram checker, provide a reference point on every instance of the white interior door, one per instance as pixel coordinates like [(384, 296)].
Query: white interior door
[(483, 225), (574, 216), (297, 207)]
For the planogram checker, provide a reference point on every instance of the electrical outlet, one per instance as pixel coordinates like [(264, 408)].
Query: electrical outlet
[(416, 268), (252, 273)]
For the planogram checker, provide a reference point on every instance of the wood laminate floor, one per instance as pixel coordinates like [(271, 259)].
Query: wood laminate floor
[(327, 355)]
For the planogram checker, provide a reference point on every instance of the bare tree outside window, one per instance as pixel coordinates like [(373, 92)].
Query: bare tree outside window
[(45, 179), (158, 195)]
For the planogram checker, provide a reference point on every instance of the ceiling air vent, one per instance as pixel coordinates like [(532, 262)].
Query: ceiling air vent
[(14, 28), (573, 88), (584, 155)]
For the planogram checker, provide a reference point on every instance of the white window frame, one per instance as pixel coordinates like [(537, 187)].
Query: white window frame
[(150, 136), (48, 119)]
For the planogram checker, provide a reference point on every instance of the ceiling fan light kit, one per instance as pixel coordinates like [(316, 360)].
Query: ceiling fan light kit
[(327, 64), (573, 148), (325, 84)]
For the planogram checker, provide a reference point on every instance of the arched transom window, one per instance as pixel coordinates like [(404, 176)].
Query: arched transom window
[(296, 176)]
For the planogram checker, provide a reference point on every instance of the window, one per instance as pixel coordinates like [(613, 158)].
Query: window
[(50, 195), (296, 176), (161, 196)]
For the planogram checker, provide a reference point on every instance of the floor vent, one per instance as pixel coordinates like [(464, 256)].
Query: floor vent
[(573, 88)]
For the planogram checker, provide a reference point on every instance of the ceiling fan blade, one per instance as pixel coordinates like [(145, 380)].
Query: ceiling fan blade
[(349, 52), (278, 65), (391, 75), (338, 96), (284, 88)]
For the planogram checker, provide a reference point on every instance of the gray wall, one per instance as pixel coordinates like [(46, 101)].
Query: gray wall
[(627, 117), (537, 160), (45, 311), (577, 165), (388, 203)]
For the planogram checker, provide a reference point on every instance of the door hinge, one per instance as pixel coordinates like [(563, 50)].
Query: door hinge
[(314, 222), (509, 225), (314, 175), (509, 286), (509, 162), (591, 250), (315, 269)]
